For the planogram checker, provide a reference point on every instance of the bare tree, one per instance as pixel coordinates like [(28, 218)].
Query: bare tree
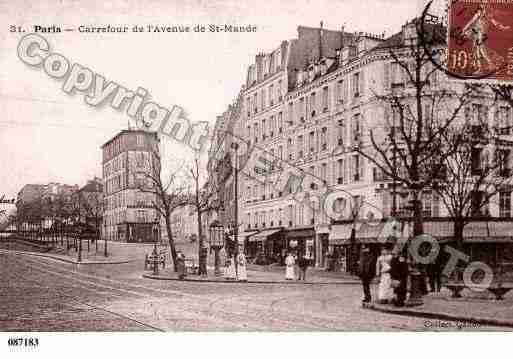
[(168, 193), (475, 172), (419, 108), (204, 199)]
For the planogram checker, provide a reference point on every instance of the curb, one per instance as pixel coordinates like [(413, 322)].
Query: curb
[(442, 316), (151, 276), (63, 259)]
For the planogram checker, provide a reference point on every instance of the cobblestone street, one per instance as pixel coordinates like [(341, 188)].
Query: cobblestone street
[(38, 294)]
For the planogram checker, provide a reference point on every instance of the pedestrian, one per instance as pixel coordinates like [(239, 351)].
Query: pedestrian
[(289, 269), (229, 273), (242, 274), (180, 266), (203, 261), (366, 272), (434, 273), (303, 262), (399, 275), (385, 290)]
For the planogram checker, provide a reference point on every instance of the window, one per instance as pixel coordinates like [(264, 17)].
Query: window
[(504, 120), (289, 149), (300, 146), (427, 203), (325, 99), (341, 91), (272, 125), (280, 152), (255, 103), (291, 113), (313, 104), (280, 122), (357, 168), (356, 128), (263, 129), (324, 172), (503, 160), (504, 204), (311, 142), (340, 171), (341, 130), (476, 161), (271, 95), (301, 110), (324, 139), (262, 99), (356, 84), (278, 91)]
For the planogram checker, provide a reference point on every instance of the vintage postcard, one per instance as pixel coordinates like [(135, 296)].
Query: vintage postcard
[(236, 166)]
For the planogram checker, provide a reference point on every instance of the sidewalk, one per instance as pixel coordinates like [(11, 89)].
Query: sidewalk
[(20, 246), (474, 308), (254, 276)]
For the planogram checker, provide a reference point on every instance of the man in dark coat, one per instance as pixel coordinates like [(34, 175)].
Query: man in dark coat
[(366, 272), (399, 274)]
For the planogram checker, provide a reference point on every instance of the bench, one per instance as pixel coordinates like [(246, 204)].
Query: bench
[(498, 290)]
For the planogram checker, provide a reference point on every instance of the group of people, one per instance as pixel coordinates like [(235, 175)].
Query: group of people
[(392, 270), (303, 261), (236, 270)]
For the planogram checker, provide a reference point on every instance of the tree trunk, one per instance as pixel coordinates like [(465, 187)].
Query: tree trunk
[(171, 242), (202, 260), (459, 226)]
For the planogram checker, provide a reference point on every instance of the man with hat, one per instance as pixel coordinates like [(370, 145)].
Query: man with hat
[(366, 272)]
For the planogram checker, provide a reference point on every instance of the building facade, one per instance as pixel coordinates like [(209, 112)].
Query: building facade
[(130, 159), (307, 110)]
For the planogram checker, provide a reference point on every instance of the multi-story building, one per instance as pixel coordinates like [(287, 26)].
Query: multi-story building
[(130, 159), (307, 110), (184, 224)]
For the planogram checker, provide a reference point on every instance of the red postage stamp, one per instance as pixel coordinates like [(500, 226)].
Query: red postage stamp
[(480, 40)]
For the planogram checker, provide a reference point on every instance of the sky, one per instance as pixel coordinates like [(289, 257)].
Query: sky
[(47, 135)]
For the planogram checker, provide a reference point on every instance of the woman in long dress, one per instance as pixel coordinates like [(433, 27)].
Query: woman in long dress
[(383, 266), (229, 273), (290, 262), (242, 274)]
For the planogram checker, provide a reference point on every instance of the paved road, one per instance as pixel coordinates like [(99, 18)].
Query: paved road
[(45, 295)]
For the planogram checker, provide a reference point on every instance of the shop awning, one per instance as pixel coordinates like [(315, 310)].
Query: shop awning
[(263, 235), (380, 232), (479, 231), (300, 233), (242, 236), (340, 234)]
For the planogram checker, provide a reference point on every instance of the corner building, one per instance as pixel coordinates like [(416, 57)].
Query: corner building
[(128, 158)]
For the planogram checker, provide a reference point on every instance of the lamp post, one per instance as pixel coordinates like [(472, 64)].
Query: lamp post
[(105, 237), (216, 241), (235, 147)]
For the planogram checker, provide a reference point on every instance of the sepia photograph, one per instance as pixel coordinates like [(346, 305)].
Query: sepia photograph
[(229, 168)]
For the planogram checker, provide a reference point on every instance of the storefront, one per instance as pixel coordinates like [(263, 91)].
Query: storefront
[(267, 246), (338, 239), (138, 232), (301, 240), (322, 245)]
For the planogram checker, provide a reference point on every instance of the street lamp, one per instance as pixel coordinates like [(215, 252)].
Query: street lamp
[(235, 147), (216, 241)]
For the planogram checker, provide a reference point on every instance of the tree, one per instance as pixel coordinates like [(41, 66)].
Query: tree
[(203, 199), (476, 171), (168, 194), (418, 109)]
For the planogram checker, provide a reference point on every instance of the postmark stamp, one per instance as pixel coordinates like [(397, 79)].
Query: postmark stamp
[(480, 40)]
